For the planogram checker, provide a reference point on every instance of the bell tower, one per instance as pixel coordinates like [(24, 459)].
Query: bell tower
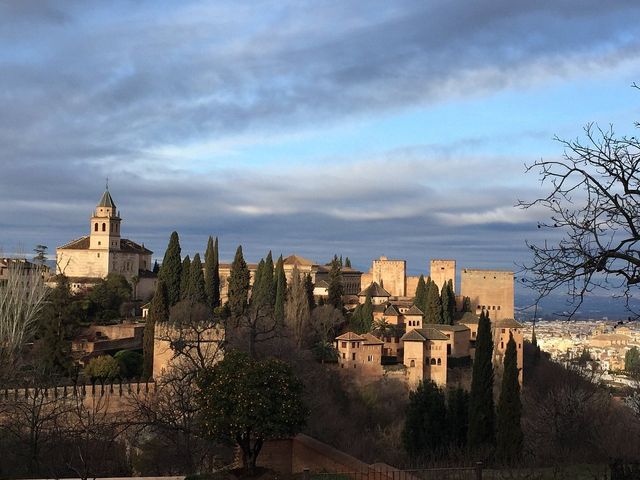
[(105, 225)]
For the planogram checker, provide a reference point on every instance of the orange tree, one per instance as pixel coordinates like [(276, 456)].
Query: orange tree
[(246, 401)]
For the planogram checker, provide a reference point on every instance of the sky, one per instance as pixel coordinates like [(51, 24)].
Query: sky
[(362, 128)]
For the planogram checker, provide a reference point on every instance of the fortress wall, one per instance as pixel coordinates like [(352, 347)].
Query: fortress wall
[(441, 271), (391, 274), (492, 289), (411, 285)]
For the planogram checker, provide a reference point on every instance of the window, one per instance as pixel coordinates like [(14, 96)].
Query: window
[(353, 344), (95, 227), (519, 345), (439, 361), (344, 355), (501, 344), (344, 344), (99, 242), (503, 330), (98, 255), (353, 356), (498, 307), (412, 363), (433, 361), (104, 227), (369, 358)]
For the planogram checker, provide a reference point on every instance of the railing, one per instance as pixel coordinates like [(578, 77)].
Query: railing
[(445, 473)]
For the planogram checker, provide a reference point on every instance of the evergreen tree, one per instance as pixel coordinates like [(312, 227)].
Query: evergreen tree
[(367, 315), (355, 322), (297, 313), (281, 291), (632, 360), (58, 321), (448, 301), (171, 270), (425, 427), (481, 405), (458, 416), (420, 299), (158, 314), (466, 304), (257, 290), (212, 274), (509, 432), (347, 263), (156, 267), (239, 279), (197, 291), (308, 286), (536, 347), (185, 278), (335, 284), (270, 282), (433, 312)]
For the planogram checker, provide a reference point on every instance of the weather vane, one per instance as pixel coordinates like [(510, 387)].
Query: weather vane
[(107, 183)]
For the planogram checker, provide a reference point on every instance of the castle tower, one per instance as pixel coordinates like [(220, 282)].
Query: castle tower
[(105, 225), (441, 271)]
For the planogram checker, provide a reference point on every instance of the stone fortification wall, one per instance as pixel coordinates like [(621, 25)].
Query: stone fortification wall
[(391, 274), (489, 290), (441, 271)]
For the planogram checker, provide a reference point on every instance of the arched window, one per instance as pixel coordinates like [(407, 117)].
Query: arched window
[(104, 227), (439, 362), (95, 227), (433, 361), (412, 363)]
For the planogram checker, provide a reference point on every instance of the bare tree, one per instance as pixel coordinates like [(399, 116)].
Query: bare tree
[(22, 297), (595, 203)]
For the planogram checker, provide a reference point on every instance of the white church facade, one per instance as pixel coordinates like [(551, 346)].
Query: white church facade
[(92, 257)]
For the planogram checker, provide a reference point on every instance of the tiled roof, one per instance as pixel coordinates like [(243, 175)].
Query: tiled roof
[(414, 311), (371, 339), (423, 334), (321, 284), (106, 200), (350, 336), (469, 318), (126, 245), (452, 328), (297, 260), (506, 323), (374, 290), (392, 311), (81, 243)]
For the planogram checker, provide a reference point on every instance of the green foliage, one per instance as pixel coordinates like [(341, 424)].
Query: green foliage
[(458, 416), (264, 286), (281, 291), (425, 428), (347, 263), (448, 301), (102, 368), (156, 267), (185, 278), (107, 296), (335, 289), (270, 282), (239, 280), (196, 290), (40, 254), (245, 402), (325, 351), (466, 304), (362, 317), (481, 405), (433, 312), (171, 270), (420, 299), (632, 360), (58, 321), (308, 286), (131, 363), (158, 313), (509, 430), (212, 274)]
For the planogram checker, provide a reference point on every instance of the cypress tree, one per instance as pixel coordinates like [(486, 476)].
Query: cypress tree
[(420, 299), (156, 267), (211, 274), (308, 286), (509, 432), (458, 416), (367, 315), (171, 270), (270, 282), (281, 291), (335, 289), (425, 428), (433, 312), (239, 279), (185, 278), (448, 301), (197, 291), (347, 263), (481, 405), (158, 313), (536, 347), (257, 291), (355, 323), (58, 320), (466, 304)]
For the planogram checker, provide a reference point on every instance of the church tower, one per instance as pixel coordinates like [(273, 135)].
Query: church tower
[(105, 225)]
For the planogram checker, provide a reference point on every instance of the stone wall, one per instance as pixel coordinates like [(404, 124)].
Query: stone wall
[(441, 271), (491, 289)]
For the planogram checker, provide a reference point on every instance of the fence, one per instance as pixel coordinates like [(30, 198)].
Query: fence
[(456, 473)]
